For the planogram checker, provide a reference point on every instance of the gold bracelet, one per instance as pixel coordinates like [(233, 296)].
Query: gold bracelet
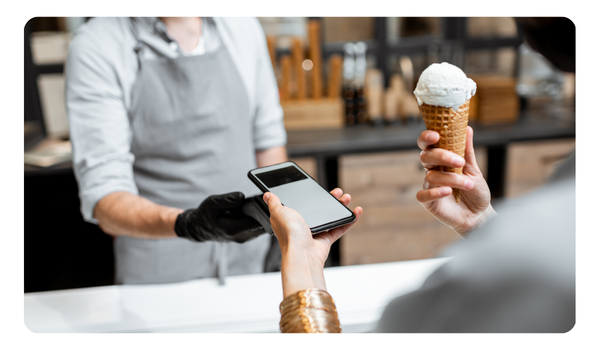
[(309, 311), (310, 321)]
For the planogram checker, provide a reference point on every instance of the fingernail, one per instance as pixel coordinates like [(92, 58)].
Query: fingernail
[(457, 161), (266, 196), (469, 184), (444, 191)]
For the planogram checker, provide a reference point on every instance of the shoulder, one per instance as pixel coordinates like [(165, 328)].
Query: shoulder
[(245, 26), (103, 35), (246, 33)]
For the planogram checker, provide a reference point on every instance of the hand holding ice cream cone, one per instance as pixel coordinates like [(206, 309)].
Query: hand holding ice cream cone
[(443, 94), (475, 207)]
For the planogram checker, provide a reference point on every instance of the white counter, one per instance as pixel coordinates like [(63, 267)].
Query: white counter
[(244, 304)]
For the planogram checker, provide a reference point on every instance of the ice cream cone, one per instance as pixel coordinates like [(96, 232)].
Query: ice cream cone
[(452, 127)]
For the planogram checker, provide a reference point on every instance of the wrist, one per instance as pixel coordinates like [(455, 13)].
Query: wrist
[(301, 254), (168, 218), (484, 217), (301, 270)]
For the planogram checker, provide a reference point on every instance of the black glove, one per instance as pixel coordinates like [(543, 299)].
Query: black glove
[(218, 218)]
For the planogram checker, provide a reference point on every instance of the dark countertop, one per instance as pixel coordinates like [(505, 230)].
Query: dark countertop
[(532, 125), (535, 124)]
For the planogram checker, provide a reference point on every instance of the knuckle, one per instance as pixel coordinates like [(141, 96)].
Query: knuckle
[(457, 180), (447, 157), (431, 176)]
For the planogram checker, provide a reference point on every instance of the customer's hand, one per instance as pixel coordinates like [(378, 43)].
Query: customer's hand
[(218, 218), (292, 230), (474, 207), (302, 254)]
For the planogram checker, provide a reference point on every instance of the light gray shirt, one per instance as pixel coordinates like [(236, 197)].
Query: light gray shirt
[(101, 69)]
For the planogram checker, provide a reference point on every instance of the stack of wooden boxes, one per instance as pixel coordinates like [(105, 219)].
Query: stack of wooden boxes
[(496, 100)]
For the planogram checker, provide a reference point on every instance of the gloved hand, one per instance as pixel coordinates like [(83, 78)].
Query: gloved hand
[(218, 218)]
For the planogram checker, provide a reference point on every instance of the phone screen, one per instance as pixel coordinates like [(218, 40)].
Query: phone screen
[(300, 192)]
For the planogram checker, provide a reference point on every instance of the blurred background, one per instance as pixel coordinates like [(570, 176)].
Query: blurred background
[(346, 89)]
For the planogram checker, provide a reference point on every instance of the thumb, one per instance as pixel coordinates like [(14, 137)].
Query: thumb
[(470, 161), (272, 201)]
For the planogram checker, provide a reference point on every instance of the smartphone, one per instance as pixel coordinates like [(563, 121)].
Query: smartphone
[(297, 190)]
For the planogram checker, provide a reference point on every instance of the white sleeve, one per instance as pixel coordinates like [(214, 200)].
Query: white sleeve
[(99, 127)]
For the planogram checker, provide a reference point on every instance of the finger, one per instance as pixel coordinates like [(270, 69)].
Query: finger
[(335, 234), (337, 192), (340, 231), (440, 178), (436, 157), (345, 199), (272, 201), (426, 196), (470, 161), (427, 139)]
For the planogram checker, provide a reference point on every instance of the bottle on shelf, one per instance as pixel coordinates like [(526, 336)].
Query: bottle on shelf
[(360, 50), (374, 93), (349, 92)]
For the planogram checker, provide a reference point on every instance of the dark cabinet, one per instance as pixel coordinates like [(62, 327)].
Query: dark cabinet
[(61, 251)]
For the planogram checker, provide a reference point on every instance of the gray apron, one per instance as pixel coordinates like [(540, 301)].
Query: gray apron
[(192, 136)]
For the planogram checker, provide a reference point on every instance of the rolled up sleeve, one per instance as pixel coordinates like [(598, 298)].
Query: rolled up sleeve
[(269, 130), (99, 127)]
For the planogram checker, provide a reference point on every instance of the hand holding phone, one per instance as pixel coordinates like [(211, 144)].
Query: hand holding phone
[(297, 190)]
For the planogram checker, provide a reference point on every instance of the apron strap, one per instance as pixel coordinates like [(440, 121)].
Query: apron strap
[(139, 46), (221, 262)]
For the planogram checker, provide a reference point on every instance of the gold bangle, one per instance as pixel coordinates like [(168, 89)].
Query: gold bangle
[(309, 311), (310, 302), (310, 321), (307, 298)]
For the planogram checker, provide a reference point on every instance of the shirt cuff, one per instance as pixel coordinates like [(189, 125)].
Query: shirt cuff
[(272, 136), (102, 181)]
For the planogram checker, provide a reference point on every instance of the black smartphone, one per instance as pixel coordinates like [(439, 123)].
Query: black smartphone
[(297, 190)]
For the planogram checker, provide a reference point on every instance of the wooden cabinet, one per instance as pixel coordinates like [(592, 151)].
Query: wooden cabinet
[(529, 164), (394, 225)]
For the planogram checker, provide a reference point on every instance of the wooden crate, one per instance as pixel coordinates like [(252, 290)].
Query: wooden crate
[(325, 113), (495, 101)]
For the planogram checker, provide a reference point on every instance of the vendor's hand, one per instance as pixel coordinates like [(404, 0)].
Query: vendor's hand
[(474, 207), (218, 218), (293, 232)]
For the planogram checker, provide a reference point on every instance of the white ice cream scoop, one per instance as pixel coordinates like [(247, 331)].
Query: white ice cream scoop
[(444, 85)]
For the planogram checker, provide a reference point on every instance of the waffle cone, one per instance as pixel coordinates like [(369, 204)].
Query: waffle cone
[(452, 127)]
